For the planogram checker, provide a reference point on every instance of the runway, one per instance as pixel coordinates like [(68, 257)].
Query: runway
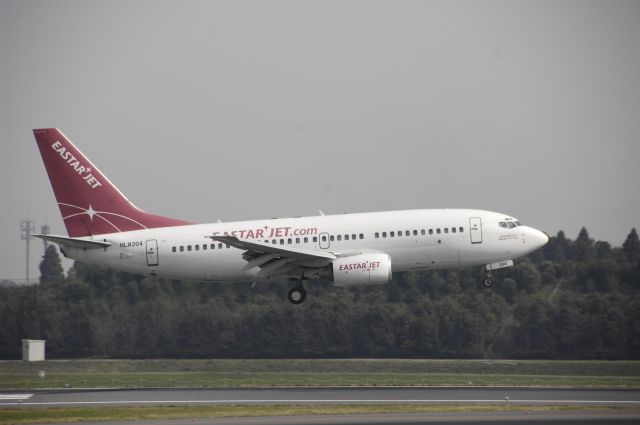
[(331, 396)]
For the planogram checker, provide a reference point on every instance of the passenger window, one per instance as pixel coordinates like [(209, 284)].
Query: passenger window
[(415, 233), (297, 240), (173, 249), (422, 232), (181, 248), (220, 245), (213, 246), (377, 235), (289, 241), (339, 237), (400, 233), (353, 237), (281, 241), (384, 234), (188, 247), (273, 241), (438, 230), (361, 235), (446, 230), (346, 237), (461, 229), (306, 240), (407, 233), (331, 238), (431, 231), (315, 238), (453, 229), (197, 247), (391, 234), (204, 246)]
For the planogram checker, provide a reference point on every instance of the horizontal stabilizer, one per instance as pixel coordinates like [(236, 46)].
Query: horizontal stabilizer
[(73, 242)]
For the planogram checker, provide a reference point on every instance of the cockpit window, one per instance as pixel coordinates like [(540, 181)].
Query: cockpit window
[(509, 224)]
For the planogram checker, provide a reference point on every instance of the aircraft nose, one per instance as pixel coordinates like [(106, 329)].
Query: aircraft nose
[(538, 238)]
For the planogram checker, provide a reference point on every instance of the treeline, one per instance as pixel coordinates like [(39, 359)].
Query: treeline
[(570, 300)]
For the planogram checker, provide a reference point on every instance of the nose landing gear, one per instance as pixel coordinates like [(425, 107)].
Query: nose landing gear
[(487, 282)]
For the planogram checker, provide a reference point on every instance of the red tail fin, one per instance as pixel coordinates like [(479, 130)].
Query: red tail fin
[(90, 204)]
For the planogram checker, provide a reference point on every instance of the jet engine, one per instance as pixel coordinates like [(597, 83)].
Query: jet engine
[(362, 269)]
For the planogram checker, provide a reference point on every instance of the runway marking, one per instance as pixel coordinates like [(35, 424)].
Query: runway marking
[(328, 401), (15, 396)]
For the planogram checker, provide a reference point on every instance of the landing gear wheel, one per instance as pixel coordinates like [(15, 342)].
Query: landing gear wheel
[(297, 295), (487, 282)]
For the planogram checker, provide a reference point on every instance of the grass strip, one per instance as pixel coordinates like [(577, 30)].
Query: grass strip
[(16, 416), (261, 379), (200, 373), (420, 366)]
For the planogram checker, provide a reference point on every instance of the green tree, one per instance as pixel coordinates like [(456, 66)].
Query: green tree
[(526, 275), (51, 268), (583, 247), (578, 300), (534, 335), (603, 249), (631, 246), (557, 248)]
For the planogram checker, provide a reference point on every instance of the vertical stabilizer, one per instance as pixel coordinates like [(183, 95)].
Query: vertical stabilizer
[(89, 203)]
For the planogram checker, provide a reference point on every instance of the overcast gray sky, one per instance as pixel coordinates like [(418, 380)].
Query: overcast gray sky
[(234, 110)]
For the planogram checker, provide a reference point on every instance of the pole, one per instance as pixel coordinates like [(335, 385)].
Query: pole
[(26, 227)]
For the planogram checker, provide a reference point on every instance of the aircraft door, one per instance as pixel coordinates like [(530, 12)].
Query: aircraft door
[(324, 240), (475, 229), (152, 252)]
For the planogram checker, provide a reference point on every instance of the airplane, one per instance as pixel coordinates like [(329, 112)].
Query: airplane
[(104, 228)]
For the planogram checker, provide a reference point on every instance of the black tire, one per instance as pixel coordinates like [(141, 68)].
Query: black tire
[(297, 295), (487, 282)]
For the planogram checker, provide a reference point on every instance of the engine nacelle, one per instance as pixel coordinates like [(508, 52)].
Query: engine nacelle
[(362, 269)]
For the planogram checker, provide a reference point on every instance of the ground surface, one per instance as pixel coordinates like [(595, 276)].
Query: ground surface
[(258, 373)]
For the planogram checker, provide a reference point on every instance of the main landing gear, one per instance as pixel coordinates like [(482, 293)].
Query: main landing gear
[(297, 294)]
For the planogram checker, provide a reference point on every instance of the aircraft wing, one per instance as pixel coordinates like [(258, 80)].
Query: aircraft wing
[(280, 250), (278, 261)]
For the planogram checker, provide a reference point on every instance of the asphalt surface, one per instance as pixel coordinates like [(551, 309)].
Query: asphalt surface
[(369, 395), (502, 418)]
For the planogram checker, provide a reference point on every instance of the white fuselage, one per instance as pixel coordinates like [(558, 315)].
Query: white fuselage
[(414, 239)]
